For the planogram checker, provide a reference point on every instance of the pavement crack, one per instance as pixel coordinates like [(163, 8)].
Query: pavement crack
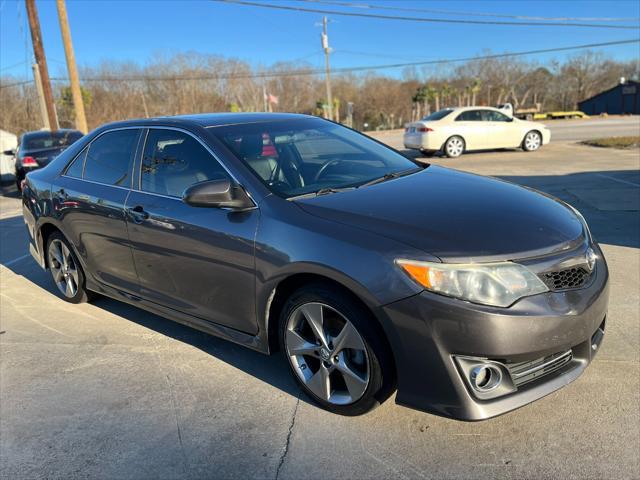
[(285, 449)]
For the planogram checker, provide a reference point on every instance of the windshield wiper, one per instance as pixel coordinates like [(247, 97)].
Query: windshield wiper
[(322, 191), (389, 176)]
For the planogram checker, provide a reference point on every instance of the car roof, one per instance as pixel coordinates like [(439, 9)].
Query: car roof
[(209, 119), (44, 133), (476, 107)]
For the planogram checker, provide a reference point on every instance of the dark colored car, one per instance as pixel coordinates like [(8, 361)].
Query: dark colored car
[(36, 149), (471, 296)]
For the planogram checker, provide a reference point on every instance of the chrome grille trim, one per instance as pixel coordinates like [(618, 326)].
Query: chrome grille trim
[(525, 372)]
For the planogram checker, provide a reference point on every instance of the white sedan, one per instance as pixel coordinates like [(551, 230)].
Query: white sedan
[(457, 130)]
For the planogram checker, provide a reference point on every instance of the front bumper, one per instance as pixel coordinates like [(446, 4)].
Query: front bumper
[(429, 330)]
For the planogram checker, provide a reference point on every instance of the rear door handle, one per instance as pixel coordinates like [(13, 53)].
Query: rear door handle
[(137, 214)]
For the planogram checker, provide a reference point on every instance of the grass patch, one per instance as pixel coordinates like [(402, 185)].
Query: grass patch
[(615, 142)]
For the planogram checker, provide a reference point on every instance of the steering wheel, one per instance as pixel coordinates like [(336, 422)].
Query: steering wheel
[(324, 169)]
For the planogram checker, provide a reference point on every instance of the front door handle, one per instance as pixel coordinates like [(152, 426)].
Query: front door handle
[(137, 214)]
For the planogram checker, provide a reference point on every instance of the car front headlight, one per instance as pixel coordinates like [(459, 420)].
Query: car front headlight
[(495, 284)]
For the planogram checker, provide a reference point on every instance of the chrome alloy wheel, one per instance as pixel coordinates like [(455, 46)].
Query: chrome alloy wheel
[(532, 141), (454, 147), (63, 268), (327, 353)]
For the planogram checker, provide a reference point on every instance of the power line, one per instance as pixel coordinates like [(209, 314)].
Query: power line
[(17, 84), (421, 19), (468, 14), (318, 71)]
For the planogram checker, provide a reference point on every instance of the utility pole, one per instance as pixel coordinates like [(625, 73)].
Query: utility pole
[(38, 51), (327, 79), (76, 93), (41, 102)]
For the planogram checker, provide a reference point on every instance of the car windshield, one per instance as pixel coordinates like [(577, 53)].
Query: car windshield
[(439, 115), (298, 157), (41, 140)]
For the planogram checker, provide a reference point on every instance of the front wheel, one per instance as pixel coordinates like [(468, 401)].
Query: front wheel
[(66, 271), (335, 353), (454, 147), (532, 141)]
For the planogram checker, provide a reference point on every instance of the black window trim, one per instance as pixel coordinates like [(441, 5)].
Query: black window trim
[(143, 146), (88, 146)]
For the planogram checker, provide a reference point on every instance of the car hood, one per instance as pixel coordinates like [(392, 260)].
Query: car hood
[(456, 216)]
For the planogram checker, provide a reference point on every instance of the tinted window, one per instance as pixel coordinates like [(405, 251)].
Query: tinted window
[(438, 115), (75, 169), (493, 116), (470, 116), (301, 156), (173, 161), (41, 140), (110, 156)]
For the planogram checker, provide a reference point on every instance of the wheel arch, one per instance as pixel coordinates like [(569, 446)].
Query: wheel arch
[(288, 285), (537, 130), (449, 137), (44, 232)]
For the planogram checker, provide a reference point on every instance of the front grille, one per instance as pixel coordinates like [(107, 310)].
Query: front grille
[(525, 372), (574, 277)]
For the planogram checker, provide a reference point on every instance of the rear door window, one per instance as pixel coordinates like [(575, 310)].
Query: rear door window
[(470, 116), (110, 157), (173, 161)]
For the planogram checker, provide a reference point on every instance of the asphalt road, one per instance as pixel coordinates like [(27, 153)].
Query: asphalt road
[(105, 390), (563, 130)]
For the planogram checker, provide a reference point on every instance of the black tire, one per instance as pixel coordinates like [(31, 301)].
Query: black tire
[(428, 153), (81, 294), (381, 378), (458, 142)]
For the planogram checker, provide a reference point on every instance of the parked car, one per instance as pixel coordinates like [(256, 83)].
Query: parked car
[(470, 295), (37, 149), (454, 131)]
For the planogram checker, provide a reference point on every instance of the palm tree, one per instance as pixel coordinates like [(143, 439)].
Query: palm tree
[(445, 92), (430, 94), (475, 88)]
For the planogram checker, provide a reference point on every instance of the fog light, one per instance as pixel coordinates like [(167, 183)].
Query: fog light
[(484, 378)]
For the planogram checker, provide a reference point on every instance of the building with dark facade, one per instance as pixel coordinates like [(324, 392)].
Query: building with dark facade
[(621, 99)]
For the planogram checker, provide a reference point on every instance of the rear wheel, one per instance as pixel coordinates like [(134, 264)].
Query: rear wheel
[(66, 271), (454, 147), (532, 141), (334, 353)]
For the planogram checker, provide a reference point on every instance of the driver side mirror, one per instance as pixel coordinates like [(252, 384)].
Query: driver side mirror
[(218, 194), (11, 152)]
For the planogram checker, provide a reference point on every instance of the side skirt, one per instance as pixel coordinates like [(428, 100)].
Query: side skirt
[(246, 340)]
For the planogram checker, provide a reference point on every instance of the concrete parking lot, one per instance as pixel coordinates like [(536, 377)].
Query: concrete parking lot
[(106, 390)]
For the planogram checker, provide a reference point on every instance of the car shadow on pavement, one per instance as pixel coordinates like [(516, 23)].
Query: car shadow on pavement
[(271, 369), (609, 200)]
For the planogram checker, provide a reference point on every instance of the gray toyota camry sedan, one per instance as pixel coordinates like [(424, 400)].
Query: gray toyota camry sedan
[(469, 296)]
